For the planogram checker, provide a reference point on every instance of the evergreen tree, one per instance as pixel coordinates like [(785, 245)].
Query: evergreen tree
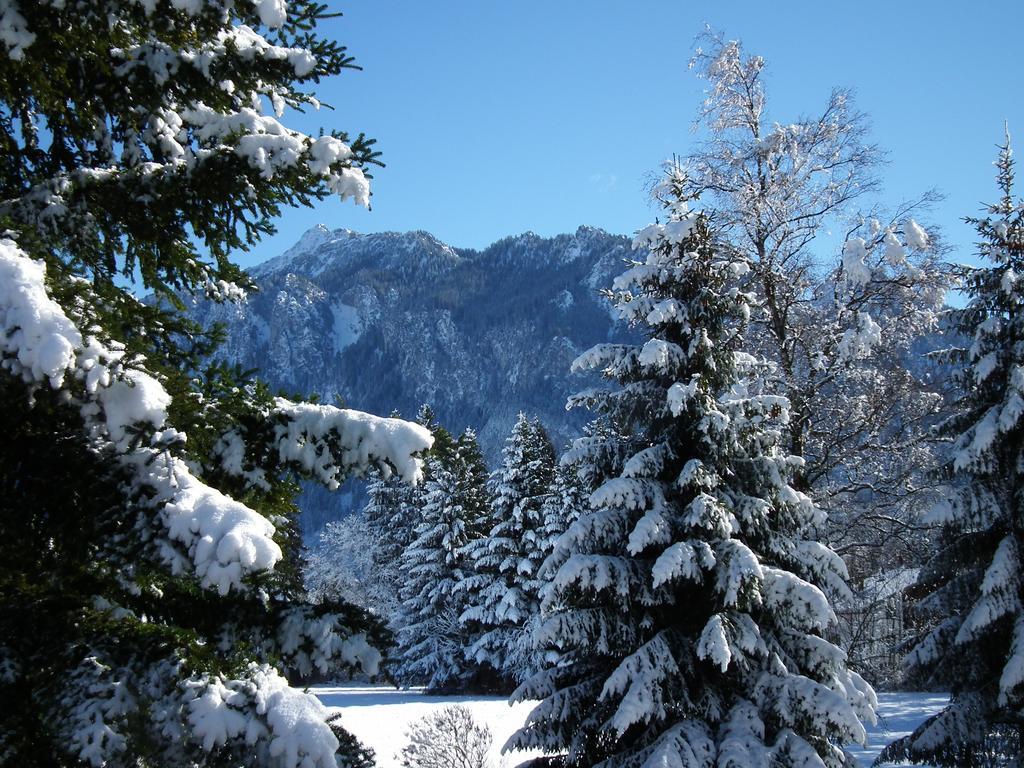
[(598, 454), (392, 515), (567, 499), (389, 514), (502, 588), (974, 582), (690, 611), (390, 518), (151, 606), (431, 641)]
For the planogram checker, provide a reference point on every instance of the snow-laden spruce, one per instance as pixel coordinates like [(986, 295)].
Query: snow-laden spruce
[(392, 513), (390, 516), (431, 641), (567, 499), (502, 588), (690, 609), (153, 611), (975, 600), (190, 526)]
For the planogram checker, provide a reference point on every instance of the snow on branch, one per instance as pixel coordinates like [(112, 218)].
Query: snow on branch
[(223, 540), (327, 442), (14, 32), (181, 134), (262, 706), (217, 538), (162, 61), (311, 641), (38, 342)]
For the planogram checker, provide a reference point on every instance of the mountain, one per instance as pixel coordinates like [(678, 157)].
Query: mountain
[(389, 321)]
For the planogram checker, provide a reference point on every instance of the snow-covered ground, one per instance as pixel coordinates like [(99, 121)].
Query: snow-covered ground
[(380, 716), (898, 715)]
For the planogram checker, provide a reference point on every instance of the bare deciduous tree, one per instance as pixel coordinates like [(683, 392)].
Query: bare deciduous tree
[(448, 738), (846, 330)]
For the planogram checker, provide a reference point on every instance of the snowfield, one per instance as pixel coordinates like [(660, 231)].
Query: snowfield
[(380, 716), (898, 715)]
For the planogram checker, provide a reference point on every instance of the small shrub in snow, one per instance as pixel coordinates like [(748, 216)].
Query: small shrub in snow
[(448, 738)]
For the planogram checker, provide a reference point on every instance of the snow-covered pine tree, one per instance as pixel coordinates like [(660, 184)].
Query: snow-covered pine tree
[(598, 454), (431, 641), (502, 589), (390, 518), (151, 606), (974, 582), (689, 611), (389, 514), (567, 499)]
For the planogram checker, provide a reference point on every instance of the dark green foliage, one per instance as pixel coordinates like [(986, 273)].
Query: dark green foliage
[(352, 753), (103, 181), (972, 611)]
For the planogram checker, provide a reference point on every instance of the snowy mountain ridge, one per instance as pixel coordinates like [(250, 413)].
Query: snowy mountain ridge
[(388, 321), (319, 247)]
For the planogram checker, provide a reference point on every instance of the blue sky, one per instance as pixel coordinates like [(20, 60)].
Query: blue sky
[(497, 118)]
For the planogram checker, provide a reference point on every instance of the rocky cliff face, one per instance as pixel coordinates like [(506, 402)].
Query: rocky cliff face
[(392, 320)]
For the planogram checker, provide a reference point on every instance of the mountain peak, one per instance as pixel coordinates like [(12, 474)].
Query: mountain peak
[(479, 334), (311, 241), (320, 250)]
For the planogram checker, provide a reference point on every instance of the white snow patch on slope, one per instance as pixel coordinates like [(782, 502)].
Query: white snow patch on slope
[(348, 326), (259, 327), (564, 300)]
